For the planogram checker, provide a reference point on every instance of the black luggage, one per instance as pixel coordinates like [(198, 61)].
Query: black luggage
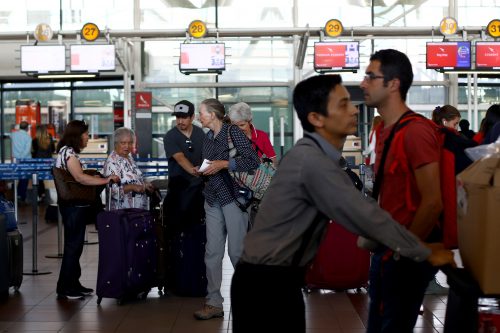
[(127, 254), (188, 262), (184, 223), (11, 254)]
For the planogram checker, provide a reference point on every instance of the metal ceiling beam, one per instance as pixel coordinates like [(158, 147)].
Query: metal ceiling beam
[(359, 32)]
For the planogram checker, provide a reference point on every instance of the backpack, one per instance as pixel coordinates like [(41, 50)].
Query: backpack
[(7, 209), (452, 161)]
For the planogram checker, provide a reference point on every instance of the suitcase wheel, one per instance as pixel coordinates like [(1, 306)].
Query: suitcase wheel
[(143, 295), (120, 301), (99, 299)]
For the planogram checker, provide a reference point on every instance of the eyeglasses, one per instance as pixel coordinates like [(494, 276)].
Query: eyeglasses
[(190, 145), (371, 76)]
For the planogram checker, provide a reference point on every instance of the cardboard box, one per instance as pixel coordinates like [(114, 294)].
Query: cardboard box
[(478, 208)]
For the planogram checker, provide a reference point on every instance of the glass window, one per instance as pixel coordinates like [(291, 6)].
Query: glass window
[(390, 13), (265, 102), (95, 106), (350, 12), (174, 14), (114, 14), (25, 15), (256, 13), (259, 60), (477, 12), (161, 60)]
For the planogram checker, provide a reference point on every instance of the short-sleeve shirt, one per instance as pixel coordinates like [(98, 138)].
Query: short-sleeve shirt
[(63, 156), (129, 173), (175, 142), (421, 147), (261, 140)]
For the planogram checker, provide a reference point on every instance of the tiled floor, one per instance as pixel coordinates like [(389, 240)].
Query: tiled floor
[(35, 307)]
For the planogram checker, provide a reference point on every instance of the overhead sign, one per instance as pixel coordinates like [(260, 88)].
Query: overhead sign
[(90, 32), (143, 100), (43, 32), (197, 29), (493, 28), (333, 28), (448, 26)]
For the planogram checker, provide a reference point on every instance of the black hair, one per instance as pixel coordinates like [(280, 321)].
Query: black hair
[(72, 136), (311, 95), (395, 65), (464, 125), (492, 117)]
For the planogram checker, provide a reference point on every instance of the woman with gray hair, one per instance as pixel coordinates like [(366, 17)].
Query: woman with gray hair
[(130, 193), (241, 116)]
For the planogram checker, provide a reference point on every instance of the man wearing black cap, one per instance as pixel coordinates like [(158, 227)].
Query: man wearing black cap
[(183, 205)]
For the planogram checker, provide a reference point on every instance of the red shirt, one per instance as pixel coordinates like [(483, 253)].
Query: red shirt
[(399, 194), (261, 139)]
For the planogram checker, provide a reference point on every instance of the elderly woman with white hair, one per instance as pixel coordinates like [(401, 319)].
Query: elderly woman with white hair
[(131, 192), (241, 116)]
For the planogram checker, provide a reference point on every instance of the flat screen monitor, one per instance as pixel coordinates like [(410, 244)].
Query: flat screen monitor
[(42, 59), (92, 57), (448, 55), (488, 55), (202, 57), (336, 56)]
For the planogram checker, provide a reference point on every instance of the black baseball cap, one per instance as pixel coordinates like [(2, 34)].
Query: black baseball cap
[(183, 109)]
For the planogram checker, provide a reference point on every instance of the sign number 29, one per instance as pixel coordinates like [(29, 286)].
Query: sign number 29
[(333, 28)]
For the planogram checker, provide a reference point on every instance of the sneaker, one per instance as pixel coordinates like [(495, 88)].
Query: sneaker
[(209, 312), (434, 288), (86, 291), (70, 295)]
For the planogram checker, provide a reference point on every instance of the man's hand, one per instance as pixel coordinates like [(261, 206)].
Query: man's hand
[(440, 256)]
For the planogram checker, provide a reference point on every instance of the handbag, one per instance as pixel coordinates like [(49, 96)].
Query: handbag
[(69, 190), (256, 180)]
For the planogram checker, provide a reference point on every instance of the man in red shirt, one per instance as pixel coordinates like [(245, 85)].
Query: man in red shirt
[(408, 183)]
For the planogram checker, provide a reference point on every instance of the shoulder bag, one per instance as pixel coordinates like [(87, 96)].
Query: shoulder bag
[(257, 180)]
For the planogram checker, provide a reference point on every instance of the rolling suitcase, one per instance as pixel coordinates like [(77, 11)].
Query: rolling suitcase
[(11, 249), (127, 254), (188, 276), (339, 263), (4, 271)]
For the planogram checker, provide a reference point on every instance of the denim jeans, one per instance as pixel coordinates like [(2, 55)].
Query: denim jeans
[(74, 220), (397, 288)]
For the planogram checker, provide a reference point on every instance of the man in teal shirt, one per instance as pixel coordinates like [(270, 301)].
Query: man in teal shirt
[(21, 148)]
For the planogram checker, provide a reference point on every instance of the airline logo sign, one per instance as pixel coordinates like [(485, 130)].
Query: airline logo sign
[(488, 55), (448, 55), (143, 100), (329, 56)]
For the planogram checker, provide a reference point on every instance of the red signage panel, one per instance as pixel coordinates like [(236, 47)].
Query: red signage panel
[(143, 100), (487, 55)]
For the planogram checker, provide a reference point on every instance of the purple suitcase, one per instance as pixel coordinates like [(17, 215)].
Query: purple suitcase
[(127, 254)]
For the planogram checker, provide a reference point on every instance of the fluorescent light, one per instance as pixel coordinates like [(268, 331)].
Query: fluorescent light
[(66, 76)]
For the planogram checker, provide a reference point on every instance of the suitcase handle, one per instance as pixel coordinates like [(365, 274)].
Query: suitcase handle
[(109, 188)]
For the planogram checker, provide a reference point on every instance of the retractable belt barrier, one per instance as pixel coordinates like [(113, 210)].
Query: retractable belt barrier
[(39, 169), (42, 167)]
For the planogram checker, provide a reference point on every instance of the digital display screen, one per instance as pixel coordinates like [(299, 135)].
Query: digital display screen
[(197, 57), (448, 55), (487, 55), (43, 58), (331, 56), (92, 57)]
